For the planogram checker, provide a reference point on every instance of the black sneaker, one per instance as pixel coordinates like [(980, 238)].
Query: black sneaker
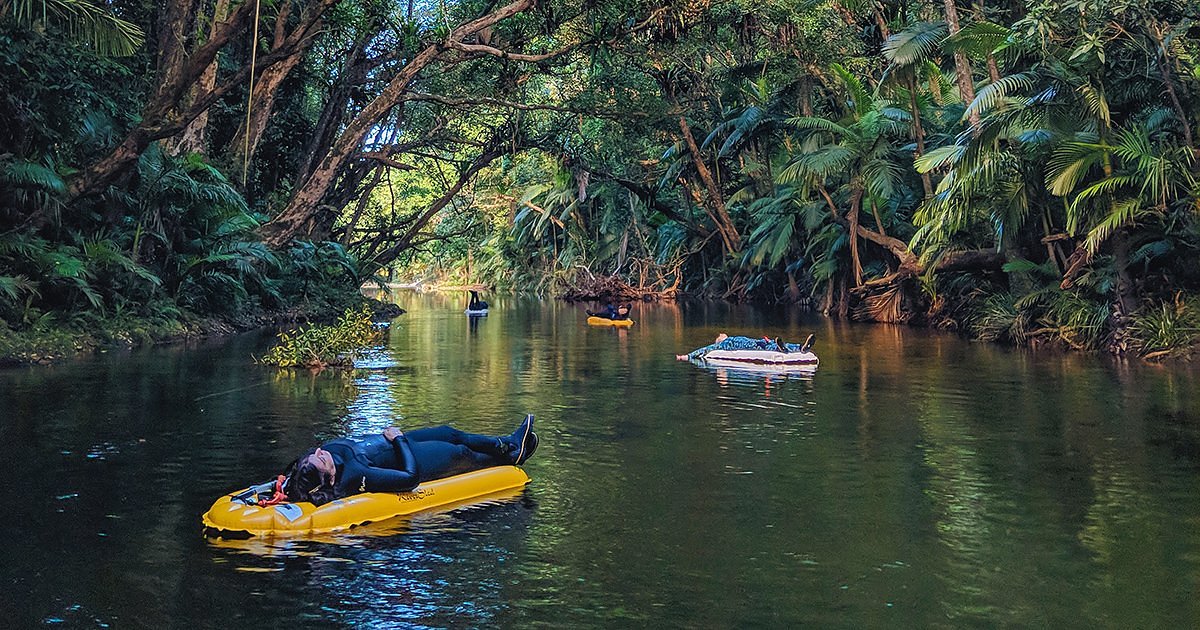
[(527, 448), (781, 345), (521, 437), (808, 343)]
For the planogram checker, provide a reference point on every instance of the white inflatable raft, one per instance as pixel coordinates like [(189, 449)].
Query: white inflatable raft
[(762, 358)]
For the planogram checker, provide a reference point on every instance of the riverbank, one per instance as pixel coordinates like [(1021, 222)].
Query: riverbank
[(86, 333)]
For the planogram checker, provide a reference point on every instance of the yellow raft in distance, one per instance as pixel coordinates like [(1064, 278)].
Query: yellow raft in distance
[(228, 517), (604, 321)]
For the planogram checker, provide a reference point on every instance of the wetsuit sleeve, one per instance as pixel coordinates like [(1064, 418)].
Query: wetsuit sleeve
[(401, 479)]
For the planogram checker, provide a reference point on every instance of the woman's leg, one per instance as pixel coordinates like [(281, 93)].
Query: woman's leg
[(486, 444), (437, 459)]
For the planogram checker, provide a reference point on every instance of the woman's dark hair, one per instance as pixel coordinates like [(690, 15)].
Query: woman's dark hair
[(305, 483)]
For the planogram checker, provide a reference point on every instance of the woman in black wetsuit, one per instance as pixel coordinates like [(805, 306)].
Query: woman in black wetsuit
[(396, 461), (611, 312)]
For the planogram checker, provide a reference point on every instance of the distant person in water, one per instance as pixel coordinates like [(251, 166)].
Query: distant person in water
[(725, 342), (476, 304), (610, 312), (396, 461)]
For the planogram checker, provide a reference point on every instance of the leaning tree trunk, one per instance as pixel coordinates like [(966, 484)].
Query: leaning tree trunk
[(262, 105), (304, 202), (262, 101), (406, 240), (178, 71), (729, 234), (333, 113)]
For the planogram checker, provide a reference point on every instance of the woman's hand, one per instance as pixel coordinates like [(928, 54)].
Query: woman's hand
[(391, 433)]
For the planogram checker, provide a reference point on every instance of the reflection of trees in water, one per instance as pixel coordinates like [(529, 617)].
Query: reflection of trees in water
[(1041, 475)]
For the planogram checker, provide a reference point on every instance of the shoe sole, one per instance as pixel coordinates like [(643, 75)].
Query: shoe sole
[(528, 429)]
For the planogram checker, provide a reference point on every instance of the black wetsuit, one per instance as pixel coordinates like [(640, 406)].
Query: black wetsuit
[(476, 304), (609, 312), (369, 463)]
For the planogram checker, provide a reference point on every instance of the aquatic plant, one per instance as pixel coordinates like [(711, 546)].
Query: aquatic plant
[(318, 346)]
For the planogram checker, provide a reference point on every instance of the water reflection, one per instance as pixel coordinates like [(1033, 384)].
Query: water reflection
[(914, 480)]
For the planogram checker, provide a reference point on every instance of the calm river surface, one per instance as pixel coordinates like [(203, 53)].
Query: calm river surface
[(913, 480)]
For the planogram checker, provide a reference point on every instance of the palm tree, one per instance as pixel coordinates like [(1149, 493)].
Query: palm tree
[(1113, 183), (909, 51), (856, 160)]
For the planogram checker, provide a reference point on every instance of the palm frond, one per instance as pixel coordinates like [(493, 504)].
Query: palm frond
[(1096, 101), (1120, 214), (860, 100), (989, 95), (821, 124), (1070, 163), (22, 173), (980, 38), (84, 22), (940, 157), (916, 43)]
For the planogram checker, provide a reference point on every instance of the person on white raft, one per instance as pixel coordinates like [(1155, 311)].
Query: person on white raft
[(725, 342)]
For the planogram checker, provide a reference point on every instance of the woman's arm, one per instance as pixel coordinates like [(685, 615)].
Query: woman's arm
[(697, 353), (400, 479)]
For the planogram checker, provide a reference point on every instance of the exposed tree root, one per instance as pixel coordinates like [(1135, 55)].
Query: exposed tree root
[(587, 287)]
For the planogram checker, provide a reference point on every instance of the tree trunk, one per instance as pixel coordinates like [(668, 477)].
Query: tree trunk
[(962, 67), (262, 105), (1164, 70), (793, 288), (337, 104), (993, 69), (918, 131), (406, 240), (852, 216), (266, 87), (884, 31), (194, 138), (363, 199), (1126, 291), (806, 107), (729, 234)]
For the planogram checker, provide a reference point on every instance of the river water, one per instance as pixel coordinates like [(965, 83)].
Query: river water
[(913, 480)]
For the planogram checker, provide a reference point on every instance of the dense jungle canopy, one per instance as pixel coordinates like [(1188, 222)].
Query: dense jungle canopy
[(1023, 171)]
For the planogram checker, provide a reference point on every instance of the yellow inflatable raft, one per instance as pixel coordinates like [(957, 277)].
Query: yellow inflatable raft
[(604, 321), (231, 517)]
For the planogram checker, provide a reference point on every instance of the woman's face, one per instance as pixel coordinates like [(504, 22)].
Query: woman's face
[(323, 461)]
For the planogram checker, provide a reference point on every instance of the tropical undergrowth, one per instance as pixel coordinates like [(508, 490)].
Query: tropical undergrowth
[(170, 251)]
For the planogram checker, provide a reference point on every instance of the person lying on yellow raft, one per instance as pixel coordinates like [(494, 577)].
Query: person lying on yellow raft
[(368, 478), (617, 313), (397, 461)]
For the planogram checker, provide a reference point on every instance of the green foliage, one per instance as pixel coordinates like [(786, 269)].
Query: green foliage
[(996, 318), (1081, 169), (1168, 329), (318, 346), (82, 21)]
